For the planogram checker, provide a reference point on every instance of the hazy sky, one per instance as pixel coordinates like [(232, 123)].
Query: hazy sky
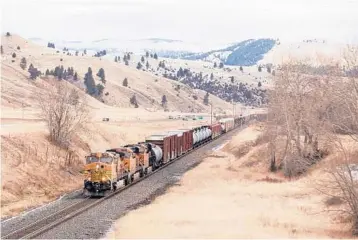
[(188, 20)]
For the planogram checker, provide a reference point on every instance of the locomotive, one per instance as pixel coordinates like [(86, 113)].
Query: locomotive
[(120, 166)]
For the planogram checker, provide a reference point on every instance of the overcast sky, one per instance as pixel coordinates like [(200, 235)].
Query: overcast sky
[(188, 20)]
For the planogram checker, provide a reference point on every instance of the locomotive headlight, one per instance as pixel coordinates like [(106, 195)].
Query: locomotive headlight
[(103, 179)]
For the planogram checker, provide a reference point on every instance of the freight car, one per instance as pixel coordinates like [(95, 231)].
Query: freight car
[(227, 124), (121, 166)]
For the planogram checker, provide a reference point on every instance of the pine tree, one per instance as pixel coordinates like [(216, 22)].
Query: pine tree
[(23, 63), (259, 68), (211, 76), (75, 77), (8, 34), (133, 100), (90, 83), (241, 69), (142, 59), (147, 54), (215, 65), (147, 65), (116, 59), (259, 84), (155, 56), (125, 82), (206, 99), (34, 73), (119, 58), (139, 66), (14, 55), (30, 67), (164, 100), (232, 79), (221, 65), (85, 52), (18, 47), (101, 75), (2, 50), (268, 69), (76, 53), (151, 55), (128, 56), (126, 62), (99, 88), (47, 72)]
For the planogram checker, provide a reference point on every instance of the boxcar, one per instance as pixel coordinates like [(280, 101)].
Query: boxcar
[(166, 142), (215, 130), (178, 142), (187, 139), (227, 124)]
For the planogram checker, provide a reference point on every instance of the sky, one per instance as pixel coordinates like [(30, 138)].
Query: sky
[(187, 20)]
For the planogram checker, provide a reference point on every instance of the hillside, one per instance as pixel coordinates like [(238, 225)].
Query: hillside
[(148, 89)]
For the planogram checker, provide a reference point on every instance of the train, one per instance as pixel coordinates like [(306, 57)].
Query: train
[(107, 171)]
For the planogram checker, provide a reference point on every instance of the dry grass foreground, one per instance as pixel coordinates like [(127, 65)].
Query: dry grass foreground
[(232, 195)]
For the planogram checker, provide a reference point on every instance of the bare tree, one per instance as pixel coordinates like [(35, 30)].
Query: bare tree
[(64, 110)]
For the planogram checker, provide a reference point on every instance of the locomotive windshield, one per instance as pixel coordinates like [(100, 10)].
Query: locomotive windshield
[(106, 159), (91, 159)]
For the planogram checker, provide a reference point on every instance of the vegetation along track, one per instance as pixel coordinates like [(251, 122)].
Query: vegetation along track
[(47, 223)]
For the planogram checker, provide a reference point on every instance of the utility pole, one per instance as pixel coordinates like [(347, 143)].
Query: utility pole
[(211, 113)]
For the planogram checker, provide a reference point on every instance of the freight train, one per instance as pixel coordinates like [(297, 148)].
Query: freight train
[(120, 166)]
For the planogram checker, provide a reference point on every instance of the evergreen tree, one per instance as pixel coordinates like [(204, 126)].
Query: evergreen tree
[(2, 50), (76, 53), (142, 59), (47, 72), (155, 56), (126, 62), (90, 83), (85, 52), (211, 76), (151, 55), (119, 58), (8, 34), (241, 69), (23, 63), (259, 84), (125, 58), (206, 99), (221, 65), (259, 68), (139, 66), (215, 65), (147, 54), (232, 79), (102, 75), (133, 101), (116, 59), (75, 77), (180, 72), (128, 57), (14, 55), (30, 67), (125, 82), (34, 73), (18, 47), (268, 69), (164, 101), (99, 89), (147, 65)]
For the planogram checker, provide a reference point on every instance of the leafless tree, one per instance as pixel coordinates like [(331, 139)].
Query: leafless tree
[(65, 111)]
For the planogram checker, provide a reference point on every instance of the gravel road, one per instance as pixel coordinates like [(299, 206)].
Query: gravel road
[(97, 221)]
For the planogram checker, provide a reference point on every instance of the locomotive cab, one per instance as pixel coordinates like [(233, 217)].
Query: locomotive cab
[(99, 172)]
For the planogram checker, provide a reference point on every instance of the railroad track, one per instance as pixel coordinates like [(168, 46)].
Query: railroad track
[(47, 223)]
